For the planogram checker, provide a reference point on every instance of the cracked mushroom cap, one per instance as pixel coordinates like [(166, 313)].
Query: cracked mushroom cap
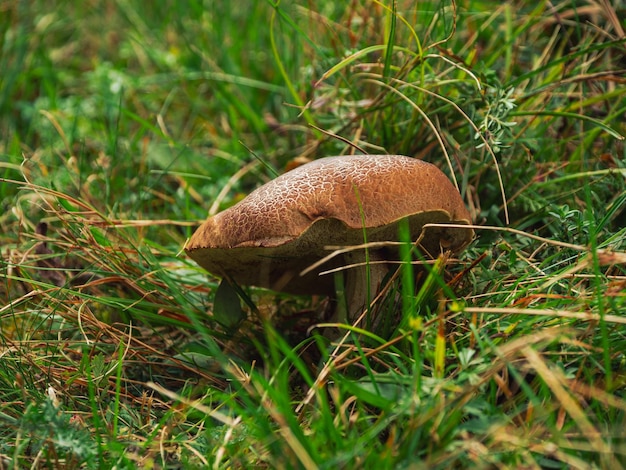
[(283, 227)]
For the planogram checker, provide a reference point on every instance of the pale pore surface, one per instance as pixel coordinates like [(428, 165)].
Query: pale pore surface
[(285, 225)]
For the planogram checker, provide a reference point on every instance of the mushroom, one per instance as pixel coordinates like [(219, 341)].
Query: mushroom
[(285, 226)]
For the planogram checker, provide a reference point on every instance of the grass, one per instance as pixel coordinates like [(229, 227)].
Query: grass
[(121, 127)]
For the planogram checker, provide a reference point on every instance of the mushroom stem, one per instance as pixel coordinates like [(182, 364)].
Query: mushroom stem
[(363, 283)]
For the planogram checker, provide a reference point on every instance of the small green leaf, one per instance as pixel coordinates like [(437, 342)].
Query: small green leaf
[(67, 205), (227, 305), (99, 236)]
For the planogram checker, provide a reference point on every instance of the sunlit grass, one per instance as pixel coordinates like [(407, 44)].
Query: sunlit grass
[(121, 127)]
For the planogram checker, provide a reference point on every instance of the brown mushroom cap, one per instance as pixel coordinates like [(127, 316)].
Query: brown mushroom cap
[(283, 227)]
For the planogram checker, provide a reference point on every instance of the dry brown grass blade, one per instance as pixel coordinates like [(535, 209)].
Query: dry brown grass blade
[(555, 380), (195, 404), (583, 316), (229, 184), (528, 235)]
